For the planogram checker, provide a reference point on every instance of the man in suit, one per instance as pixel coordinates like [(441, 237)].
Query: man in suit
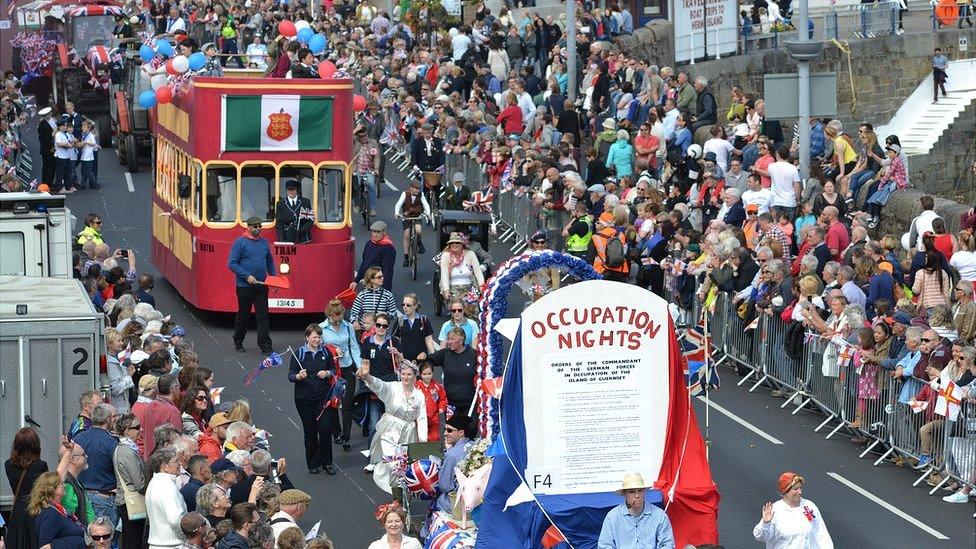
[(45, 137), (305, 68), (456, 193), (427, 152), (293, 220)]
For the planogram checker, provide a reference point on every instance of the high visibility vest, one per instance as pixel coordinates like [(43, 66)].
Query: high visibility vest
[(580, 244), (600, 240)]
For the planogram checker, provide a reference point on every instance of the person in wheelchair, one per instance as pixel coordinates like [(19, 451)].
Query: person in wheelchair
[(456, 194)]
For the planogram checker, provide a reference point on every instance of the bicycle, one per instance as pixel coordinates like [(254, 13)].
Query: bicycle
[(413, 249), (362, 196), (431, 188)]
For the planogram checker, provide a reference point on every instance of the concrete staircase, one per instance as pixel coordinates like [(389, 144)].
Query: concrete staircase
[(543, 7), (919, 123)]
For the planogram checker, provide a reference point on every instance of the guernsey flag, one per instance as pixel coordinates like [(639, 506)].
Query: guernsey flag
[(276, 123)]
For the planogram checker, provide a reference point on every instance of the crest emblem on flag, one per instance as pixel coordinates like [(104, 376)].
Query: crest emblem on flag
[(279, 126)]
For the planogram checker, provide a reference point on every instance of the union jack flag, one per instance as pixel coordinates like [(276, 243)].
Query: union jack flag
[(271, 361)]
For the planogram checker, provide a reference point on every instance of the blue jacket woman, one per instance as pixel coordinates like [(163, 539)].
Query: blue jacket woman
[(621, 155), (313, 371), (340, 334)]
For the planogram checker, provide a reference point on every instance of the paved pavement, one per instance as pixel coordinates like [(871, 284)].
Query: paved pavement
[(751, 439)]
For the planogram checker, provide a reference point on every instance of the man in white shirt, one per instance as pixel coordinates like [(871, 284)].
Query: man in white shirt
[(785, 184), (174, 22), (64, 156), (722, 148), (293, 504), (460, 43), (756, 194), (525, 101)]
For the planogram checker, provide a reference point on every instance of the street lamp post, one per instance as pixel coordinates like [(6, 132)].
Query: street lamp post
[(571, 57), (804, 50)]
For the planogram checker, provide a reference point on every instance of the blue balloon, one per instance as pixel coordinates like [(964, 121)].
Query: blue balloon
[(317, 44), (146, 53), (147, 99), (305, 34), (197, 61), (164, 48)]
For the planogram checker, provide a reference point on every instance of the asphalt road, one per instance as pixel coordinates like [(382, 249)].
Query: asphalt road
[(863, 506)]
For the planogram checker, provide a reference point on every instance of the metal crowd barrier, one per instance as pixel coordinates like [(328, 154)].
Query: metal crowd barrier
[(855, 399)]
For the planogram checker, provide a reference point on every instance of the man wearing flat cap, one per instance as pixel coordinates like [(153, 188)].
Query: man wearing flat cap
[(427, 152), (634, 523), (293, 504), (457, 193), (293, 216), (251, 262)]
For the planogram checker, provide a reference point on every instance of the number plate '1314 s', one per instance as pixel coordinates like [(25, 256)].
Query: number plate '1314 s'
[(285, 303)]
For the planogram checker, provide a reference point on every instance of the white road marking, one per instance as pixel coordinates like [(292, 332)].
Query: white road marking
[(389, 185), (741, 421), (128, 182), (894, 510)]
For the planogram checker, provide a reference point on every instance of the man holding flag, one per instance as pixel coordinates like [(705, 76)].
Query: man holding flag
[(251, 261)]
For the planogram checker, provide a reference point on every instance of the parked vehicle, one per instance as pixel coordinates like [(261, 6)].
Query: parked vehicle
[(36, 232)]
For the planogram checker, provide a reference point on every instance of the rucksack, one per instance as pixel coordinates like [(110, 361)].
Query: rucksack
[(616, 255)]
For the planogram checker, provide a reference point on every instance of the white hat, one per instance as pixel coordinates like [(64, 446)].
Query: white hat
[(633, 481), (44, 112), (610, 124)]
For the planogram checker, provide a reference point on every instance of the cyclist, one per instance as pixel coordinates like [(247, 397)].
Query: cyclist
[(409, 208), (366, 160), (427, 155)]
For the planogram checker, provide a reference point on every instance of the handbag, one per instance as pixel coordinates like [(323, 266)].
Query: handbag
[(135, 503)]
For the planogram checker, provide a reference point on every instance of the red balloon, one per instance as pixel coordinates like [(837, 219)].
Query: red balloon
[(326, 69), (358, 103), (169, 67), (164, 94), (287, 28)]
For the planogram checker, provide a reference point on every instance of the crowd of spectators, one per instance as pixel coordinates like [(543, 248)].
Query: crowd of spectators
[(13, 115), (642, 175)]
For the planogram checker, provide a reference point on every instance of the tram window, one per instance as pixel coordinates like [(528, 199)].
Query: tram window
[(222, 193), (258, 192), (332, 194), (197, 173), (302, 174)]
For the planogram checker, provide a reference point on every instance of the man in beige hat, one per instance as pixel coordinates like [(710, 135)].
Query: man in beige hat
[(212, 443), (633, 523), (293, 504)]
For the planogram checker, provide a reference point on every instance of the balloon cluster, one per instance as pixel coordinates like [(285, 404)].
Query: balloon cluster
[(302, 32)]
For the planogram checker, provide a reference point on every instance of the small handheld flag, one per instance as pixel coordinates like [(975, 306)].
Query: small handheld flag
[(272, 361)]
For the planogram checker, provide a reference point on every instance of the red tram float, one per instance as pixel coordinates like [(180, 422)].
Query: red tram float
[(223, 151)]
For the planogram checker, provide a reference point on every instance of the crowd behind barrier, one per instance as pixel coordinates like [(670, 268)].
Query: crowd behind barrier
[(830, 383)]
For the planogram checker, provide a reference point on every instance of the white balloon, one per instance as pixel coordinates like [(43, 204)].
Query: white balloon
[(302, 24), (158, 81), (905, 242), (181, 64)]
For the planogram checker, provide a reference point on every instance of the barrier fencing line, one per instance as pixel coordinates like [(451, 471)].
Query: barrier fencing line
[(855, 397)]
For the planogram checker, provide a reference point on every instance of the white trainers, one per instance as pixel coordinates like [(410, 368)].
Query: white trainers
[(369, 468), (958, 497)]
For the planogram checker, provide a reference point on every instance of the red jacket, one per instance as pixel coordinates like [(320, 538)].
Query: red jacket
[(210, 447), (436, 398), (158, 412)]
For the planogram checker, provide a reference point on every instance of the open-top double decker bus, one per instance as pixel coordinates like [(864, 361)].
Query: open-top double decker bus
[(223, 151)]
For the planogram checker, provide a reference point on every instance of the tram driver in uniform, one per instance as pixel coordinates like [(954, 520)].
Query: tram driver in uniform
[(293, 216)]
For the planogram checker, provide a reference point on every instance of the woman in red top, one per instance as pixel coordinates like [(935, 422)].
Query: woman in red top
[(511, 116), (436, 398), (945, 241), (761, 166)]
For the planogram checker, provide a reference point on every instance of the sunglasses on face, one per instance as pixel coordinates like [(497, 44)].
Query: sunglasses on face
[(382, 325), (457, 310), (200, 398), (104, 537)]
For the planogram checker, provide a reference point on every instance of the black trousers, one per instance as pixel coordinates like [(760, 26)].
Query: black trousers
[(256, 295), (132, 530), (348, 411), (47, 168), (62, 174), (317, 426)]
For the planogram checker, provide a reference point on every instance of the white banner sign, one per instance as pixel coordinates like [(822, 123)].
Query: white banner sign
[(692, 22), (596, 386)]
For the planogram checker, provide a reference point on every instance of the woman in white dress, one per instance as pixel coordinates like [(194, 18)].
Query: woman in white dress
[(792, 522), (403, 422)]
